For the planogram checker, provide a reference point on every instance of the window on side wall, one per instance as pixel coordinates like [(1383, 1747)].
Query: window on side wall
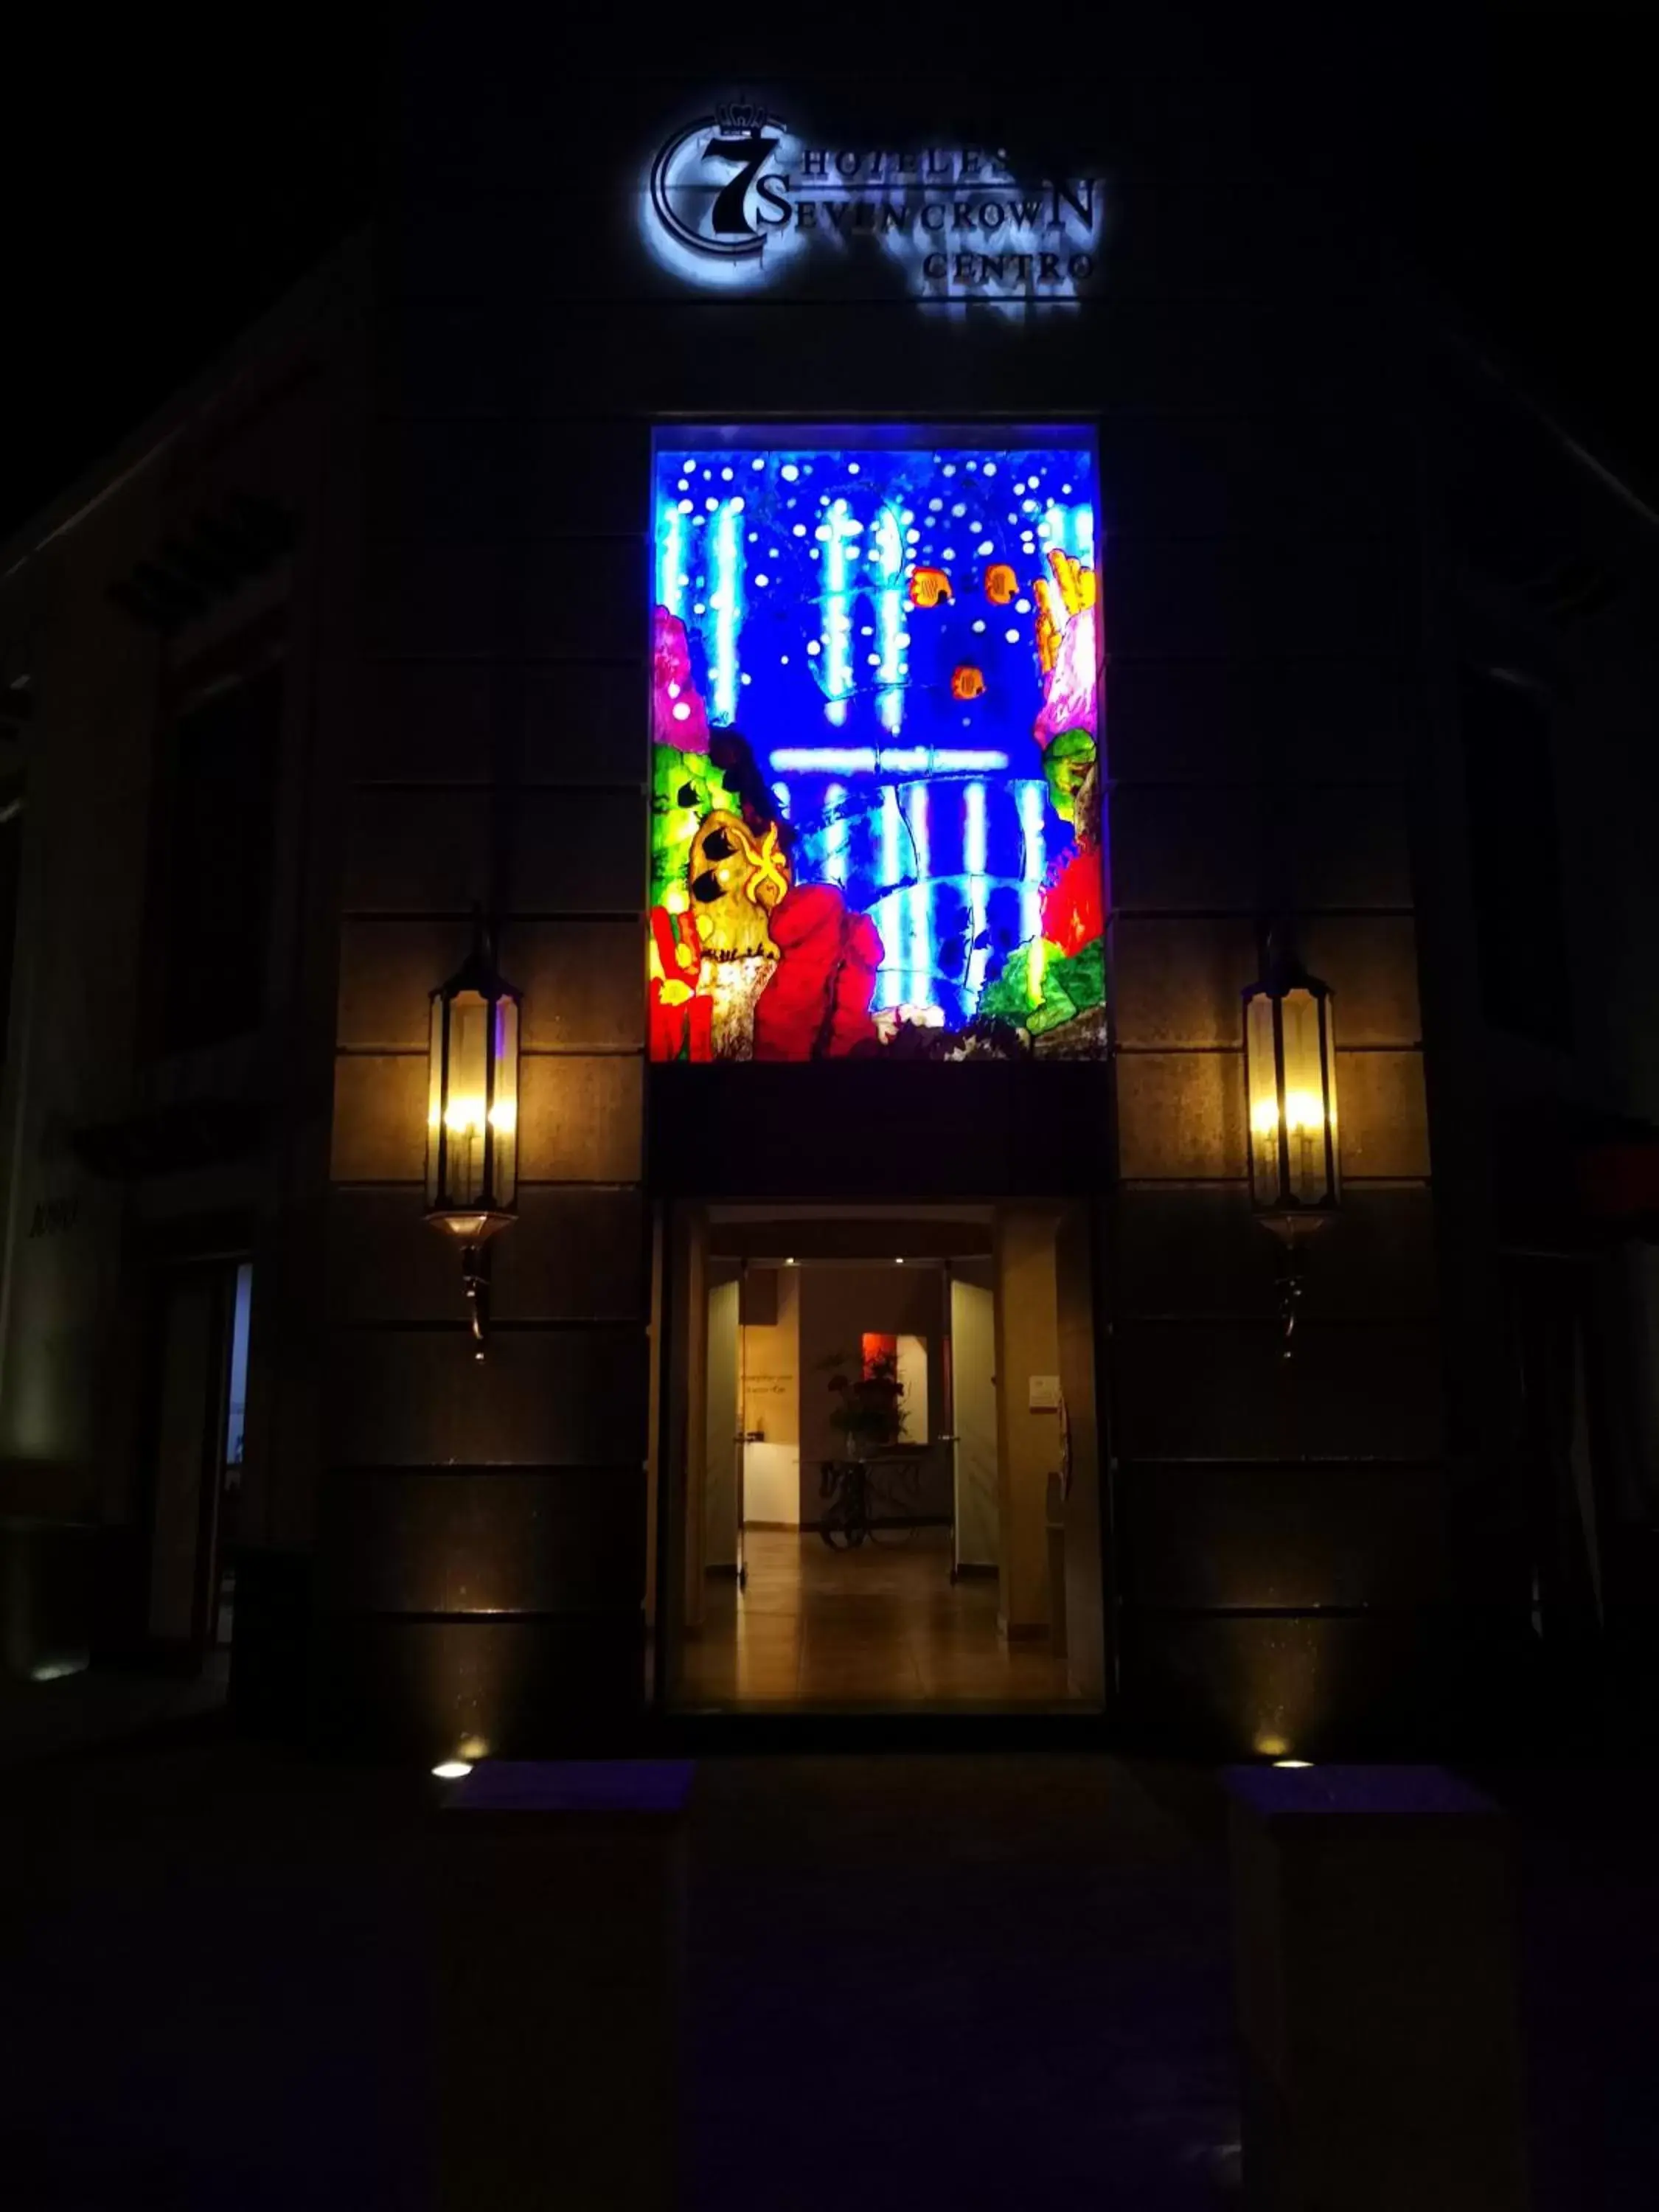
[(219, 764), (11, 860), (1515, 858)]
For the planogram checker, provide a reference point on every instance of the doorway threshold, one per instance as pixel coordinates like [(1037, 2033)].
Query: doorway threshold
[(806, 1731)]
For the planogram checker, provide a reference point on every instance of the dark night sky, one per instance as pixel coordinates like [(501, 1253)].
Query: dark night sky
[(175, 180)]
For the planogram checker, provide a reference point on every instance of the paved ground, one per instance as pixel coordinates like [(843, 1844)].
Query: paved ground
[(96, 1708), (966, 1981), (962, 1981), (1588, 1845)]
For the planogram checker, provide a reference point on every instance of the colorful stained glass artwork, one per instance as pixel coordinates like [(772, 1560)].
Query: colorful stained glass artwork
[(877, 721)]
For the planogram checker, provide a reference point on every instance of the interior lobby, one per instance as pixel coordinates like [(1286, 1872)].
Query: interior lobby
[(871, 1519)]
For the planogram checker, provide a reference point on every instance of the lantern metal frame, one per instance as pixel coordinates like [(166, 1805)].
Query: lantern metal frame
[(475, 1216), (1289, 1218)]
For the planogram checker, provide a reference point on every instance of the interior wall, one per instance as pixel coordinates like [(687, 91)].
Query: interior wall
[(720, 1423), (771, 1410), (837, 1305), (1028, 1347), (912, 1357), (973, 1413)]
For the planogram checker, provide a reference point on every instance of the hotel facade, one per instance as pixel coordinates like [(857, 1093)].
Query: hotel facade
[(716, 863)]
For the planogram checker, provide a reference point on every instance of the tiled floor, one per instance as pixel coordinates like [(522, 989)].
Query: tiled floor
[(840, 1630)]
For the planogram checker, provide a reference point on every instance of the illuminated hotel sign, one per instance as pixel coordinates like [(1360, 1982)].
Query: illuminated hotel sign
[(736, 197)]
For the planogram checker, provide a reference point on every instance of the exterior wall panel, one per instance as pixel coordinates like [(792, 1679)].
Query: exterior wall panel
[(1237, 1539), (1385, 1122), (1182, 1248), (569, 1397), (1180, 1114), (470, 1541), (576, 1260), (436, 721)]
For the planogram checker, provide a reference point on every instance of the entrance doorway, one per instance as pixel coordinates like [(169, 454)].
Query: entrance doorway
[(879, 1476), (199, 1384)]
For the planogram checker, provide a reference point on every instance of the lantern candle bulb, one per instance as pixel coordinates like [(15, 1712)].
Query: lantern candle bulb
[(1290, 1077), (473, 1116)]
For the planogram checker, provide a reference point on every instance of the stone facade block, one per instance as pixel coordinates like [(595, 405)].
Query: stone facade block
[(543, 1397), (588, 721), (394, 1684), (566, 722), (1243, 1537), (1354, 718), (1260, 594), (580, 1120), (1370, 961), (379, 1118), (1177, 849), (1181, 1114), (1228, 721), (1180, 721), (561, 598), (388, 969), (1279, 1685), (427, 851), (1348, 847), (1190, 1250), (482, 482), (578, 852), (1220, 1390), (572, 1254), (1384, 1114), (583, 983), (1180, 982), (1196, 475), (484, 1541), (418, 852)]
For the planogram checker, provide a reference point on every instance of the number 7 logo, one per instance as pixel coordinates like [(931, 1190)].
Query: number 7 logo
[(729, 213), (711, 213)]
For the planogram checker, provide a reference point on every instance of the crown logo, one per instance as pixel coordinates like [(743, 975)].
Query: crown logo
[(739, 118)]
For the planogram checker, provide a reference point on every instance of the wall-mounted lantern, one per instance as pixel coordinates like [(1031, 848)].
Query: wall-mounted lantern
[(1290, 1080), (472, 1116)]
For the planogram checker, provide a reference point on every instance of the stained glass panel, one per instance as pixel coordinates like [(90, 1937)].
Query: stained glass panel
[(878, 719)]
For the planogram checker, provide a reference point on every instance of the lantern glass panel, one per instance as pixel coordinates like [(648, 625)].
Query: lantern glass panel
[(504, 1103), (434, 1100), (1307, 1179), (466, 1098), (1262, 1062)]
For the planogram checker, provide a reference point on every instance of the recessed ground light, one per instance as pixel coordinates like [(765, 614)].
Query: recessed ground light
[(1292, 1762), (452, 1770)]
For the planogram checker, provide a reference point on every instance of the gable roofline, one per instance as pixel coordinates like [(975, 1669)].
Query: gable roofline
[(322, 290)]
